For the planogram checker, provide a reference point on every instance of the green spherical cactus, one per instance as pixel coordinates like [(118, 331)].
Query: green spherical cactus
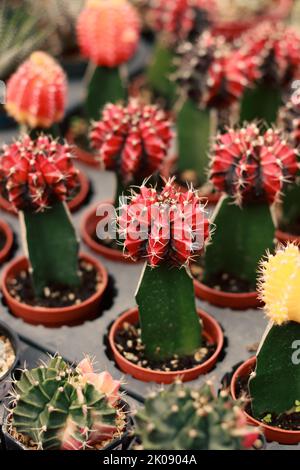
[(60, 407), (181, 418)]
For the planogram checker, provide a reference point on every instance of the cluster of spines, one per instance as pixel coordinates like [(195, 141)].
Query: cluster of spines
[(249, 166), (108, 31), (289, 116), (172, 225), (36, 92), (182, 418), (132, 140), (59, 408), (36, 173)]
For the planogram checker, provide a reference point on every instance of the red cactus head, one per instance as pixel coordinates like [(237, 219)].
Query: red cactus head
[(212, 73), (276, 50), (132, 140), (35, 173), (36, 92), (170, 226), (108, 31), (179, 18), (250, 166)]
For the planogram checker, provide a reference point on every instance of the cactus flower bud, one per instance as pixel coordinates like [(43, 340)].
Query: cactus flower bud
[(133, 140), (167, 226), (249, 166), (36, 92), (108, 31), (35, 173)]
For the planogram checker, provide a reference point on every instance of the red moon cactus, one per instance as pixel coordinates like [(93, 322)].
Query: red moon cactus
[(132, 140), (108, 31), (36, 92)]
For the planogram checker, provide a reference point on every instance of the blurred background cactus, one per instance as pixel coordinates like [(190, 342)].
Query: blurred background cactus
[(181, 418)]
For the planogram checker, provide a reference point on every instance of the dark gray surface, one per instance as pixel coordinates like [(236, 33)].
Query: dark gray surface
[(241, 328)]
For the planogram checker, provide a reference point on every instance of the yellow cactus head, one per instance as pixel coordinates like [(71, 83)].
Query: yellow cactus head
[(280, 285)]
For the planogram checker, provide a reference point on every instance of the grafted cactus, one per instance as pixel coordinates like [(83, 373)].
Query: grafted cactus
[(131, 140), (252, 170), (60, 407), (276, 51), (36, 92), (275, 384), (181, 418), (37, 176), (108, 35), (167, 230), (210, 75)]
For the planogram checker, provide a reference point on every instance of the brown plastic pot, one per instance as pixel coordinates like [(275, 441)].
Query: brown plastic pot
[(211, 331), (271, 433), (284, 237), (223, 299), (84, 156), (4, 252), (88, 229), (73, 204), (232, 29), (53, 317)]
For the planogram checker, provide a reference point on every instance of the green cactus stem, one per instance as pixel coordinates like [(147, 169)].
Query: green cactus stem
[(261, 103), (52, 247), (49, 401), (106, 86), (290, 218), (168, 316), (193, 130), (275, 385), (159, 73), (242, 237), (181, 418)]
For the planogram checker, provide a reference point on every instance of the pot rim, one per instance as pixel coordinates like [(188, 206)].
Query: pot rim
[(250, 363), (132, 311), (11, 267), (284, 237), (4, 252), (82, 155), (15, 341)]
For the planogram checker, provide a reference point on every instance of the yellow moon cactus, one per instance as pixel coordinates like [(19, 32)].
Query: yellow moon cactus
[(280, 285)]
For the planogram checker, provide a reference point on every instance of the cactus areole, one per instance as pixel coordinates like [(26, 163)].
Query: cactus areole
[(252, 170), (168, 230), (37, 177), (108, 34), (59, 407)]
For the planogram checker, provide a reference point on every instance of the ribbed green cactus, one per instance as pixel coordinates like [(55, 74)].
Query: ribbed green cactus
[(181, 418), (59, 410)]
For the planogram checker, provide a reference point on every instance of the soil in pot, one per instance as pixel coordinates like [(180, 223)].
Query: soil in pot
[(7, 355), (129, 343), (222, 282), (288, 422), (122, 423), (56, 296)]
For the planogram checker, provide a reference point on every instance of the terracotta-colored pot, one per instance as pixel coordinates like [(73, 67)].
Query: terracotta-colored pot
[(284, 237), (88, 229), (73, 204), (53, 317), (271, 433), (82, 155), (232, 29), (223, 299), (211, 331), (4, 252)]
